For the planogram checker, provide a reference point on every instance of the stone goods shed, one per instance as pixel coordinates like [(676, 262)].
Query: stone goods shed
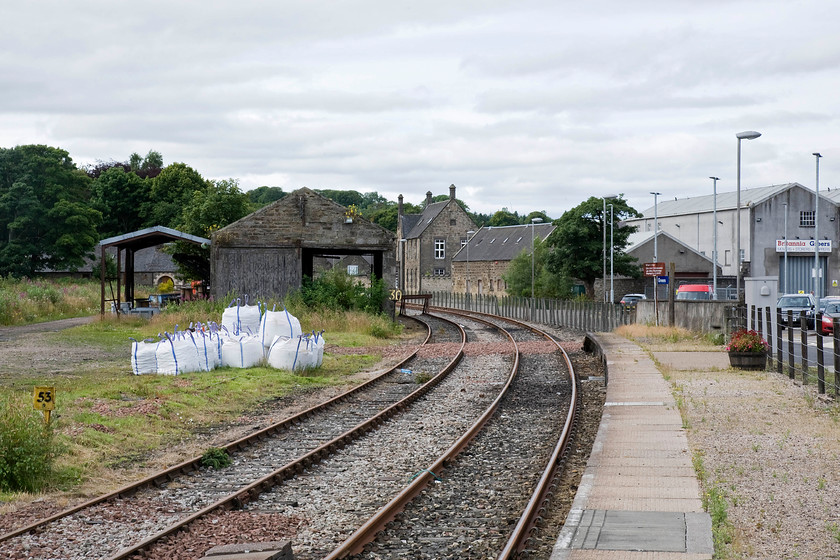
[(267, 253)]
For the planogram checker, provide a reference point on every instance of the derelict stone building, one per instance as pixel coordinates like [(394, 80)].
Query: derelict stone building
[(267, 253)]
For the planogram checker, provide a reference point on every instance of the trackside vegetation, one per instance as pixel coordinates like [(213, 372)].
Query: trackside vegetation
[(109, 423)]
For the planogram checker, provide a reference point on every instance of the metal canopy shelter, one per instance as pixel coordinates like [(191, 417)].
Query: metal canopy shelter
[(130, 243)]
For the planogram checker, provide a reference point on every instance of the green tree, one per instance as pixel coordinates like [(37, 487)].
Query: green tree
[(45, 217), (546, 283), (504, 217), (219, 204), (146, 167), (171, 193), (577, 243), (262, 196), (539, 214), (345, 198), (119, 195)]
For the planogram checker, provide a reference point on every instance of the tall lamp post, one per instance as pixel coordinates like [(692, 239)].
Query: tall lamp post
[(604, 228), (534, 221), (612, 274), (787, 282), (470, 233), (714, 249), (817, 286), (746, 135), (655, 253)]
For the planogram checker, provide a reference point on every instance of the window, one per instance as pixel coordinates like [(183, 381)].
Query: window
[(743, 255), (440, 272), (440, 248), (452, 222), (463, 241), (727, 257), (806, 219), (352, 270)]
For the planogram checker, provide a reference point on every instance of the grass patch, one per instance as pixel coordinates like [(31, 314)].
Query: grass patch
[(107, 418), (675, 339)]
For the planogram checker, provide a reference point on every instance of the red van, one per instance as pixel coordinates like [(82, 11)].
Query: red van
[(695, 292)]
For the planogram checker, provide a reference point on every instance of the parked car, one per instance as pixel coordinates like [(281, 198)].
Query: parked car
[(797, 303), (696, 292), (830, 312), (629, 300)]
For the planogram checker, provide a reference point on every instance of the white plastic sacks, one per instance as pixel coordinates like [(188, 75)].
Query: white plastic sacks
[(243, 351), (278, 324), (299, 353), (241, 319)]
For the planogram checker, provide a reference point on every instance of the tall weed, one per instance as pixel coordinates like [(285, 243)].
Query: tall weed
[(27, 447), (34, 300)]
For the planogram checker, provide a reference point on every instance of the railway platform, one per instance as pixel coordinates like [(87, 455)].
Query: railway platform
[(639, 498)]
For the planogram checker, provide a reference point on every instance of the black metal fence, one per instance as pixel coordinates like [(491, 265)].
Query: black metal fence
[(804, 355), (579, 315)]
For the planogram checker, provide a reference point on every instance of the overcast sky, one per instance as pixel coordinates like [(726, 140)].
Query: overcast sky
[(528, 105)]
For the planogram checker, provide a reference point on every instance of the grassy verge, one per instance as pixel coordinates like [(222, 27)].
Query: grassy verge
[(108, 419)]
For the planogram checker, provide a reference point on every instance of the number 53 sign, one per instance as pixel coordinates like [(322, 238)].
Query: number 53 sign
[(44, 400)]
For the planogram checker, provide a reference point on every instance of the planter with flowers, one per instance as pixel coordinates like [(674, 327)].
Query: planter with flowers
[(747, 350)]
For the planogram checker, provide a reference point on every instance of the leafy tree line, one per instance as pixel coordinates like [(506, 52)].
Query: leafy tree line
[(52, 214)]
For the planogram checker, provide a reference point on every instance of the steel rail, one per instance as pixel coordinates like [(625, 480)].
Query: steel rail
[(269, 481), (193, 464), (356, 542), (544, 490)]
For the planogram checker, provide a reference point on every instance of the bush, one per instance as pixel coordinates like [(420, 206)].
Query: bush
[(216, 458), (335, 289), (27, 447)]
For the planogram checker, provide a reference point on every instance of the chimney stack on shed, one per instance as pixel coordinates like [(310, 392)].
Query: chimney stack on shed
[(451, 192), (428, 197)]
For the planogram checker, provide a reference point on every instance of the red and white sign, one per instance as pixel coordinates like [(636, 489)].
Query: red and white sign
[(802, 245)]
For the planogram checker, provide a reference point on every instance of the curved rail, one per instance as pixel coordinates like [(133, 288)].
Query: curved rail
[(543, 491), (367, 532), (266, 483), (193, 464)]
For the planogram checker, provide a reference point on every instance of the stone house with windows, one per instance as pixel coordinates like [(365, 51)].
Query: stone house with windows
[(428, 241), (479, 267)]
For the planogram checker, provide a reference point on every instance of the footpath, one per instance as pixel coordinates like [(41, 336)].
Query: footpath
[(639, 498)]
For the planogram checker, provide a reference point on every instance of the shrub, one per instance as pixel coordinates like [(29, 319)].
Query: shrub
[(27, 447), (215, 458)]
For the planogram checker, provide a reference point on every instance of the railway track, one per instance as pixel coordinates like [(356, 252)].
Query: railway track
[(112, 525), (509, 379)]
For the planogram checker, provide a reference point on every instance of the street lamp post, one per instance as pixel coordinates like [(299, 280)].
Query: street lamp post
[(604, 228), (655, 253), (533, 222), (714, 249), (787, 282), (470, 233), (817, 286), (612, 274), (746, 135)]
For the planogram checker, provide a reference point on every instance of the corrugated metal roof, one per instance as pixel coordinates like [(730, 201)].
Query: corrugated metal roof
[(725, 201), (502, 243), (150, 237)]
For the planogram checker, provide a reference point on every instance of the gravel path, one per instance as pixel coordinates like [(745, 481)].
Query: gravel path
[(772, 446)]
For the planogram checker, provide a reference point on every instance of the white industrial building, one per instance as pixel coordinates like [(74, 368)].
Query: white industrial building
[(778, 226)]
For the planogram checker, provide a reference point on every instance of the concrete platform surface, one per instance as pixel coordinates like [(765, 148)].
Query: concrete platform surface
[(639, 498)]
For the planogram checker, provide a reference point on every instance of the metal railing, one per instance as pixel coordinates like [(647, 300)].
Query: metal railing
[(791, 351), (578, 315)]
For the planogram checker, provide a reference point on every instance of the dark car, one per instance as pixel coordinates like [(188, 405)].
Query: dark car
[(797, 303), (629, 300)]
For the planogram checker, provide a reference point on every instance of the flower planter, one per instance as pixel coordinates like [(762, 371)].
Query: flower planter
[(748, 360)]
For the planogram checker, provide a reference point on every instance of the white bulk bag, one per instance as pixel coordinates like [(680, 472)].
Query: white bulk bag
[(177, 354), (242, 351), (143, 359), (209, 348), (241, 319), (283, 353), (278, 323)]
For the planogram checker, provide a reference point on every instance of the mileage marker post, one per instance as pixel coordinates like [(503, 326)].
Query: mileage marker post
[(43, 399)]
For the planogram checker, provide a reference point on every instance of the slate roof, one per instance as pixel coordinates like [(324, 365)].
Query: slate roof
[(725, 201), (426, 217), (502, 243), (640, 239)]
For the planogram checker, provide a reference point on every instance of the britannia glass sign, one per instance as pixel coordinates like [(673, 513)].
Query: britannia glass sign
[(802, 245)]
